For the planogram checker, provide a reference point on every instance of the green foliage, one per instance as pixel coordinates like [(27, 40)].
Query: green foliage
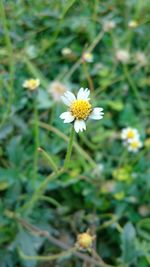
[(105, 188)]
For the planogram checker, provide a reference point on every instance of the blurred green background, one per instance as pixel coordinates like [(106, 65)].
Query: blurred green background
[(105, 189)]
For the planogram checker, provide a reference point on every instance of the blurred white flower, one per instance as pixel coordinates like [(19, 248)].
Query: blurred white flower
[(108, 25), (134, 145), (87, 57), (31, 84), (108, 186), (31, 51), (66, 51), (57, 89), (132, 24), (98, 169), (144, 210), (80, 109), (122, 55), (141, 58), (129, 133), (132, 199)]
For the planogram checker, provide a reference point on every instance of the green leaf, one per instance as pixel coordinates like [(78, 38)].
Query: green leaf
[(15, 150), (25, 243), (44, 101), (116, 105), (128, 243), (3, 185), (143, 228)]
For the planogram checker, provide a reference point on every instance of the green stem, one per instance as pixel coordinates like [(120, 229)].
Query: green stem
[(89, 79), (11, 60), (35, 71), (133, 87), (73, 69), (79, 61), (123, 158), (47, 258), (36, 139), (69, 149), (49, 159), (39, 192), (78, 148), (51, 201), (68, 6), (96, 41), (99, 259)]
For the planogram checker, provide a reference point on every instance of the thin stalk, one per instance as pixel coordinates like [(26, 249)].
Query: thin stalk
[(96, 41), (36, 139), (35, 71), (89, 79), (68, 6), (69, 149), (95, 11), (49, 257), (108, 223), (140, 155), (55, 241), (134, 88), (79, 61), (49, 159), (73, 69), (98, 258), (123, 158), (51, 201), (78, 148), (11, 60), (39, 192)]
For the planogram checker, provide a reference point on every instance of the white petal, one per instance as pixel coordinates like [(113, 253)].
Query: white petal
[(68, 98), (123, 134), (67, 117), (96, 114), (83, 94), (79, 125), (140, 144), (65, 100)]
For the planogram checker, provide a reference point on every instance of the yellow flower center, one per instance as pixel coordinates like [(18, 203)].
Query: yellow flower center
[(134, 144), (80, 109), (130, 134), (32, 83)]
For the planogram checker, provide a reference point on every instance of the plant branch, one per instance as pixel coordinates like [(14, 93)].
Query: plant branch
[(36, 231)]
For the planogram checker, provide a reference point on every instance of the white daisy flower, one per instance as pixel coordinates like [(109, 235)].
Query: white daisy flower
[(123, 56), (141, 58), (66, 51), (129, 133), (80, 109), (57, 89), (108, 25), (134, 145)]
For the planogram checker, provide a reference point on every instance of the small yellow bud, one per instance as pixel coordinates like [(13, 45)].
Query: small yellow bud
[(132, 24), (85, 240), (87, 57), (119, 196), (31, 84)]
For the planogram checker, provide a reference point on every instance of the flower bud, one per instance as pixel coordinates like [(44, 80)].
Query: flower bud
[(85, 240)]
